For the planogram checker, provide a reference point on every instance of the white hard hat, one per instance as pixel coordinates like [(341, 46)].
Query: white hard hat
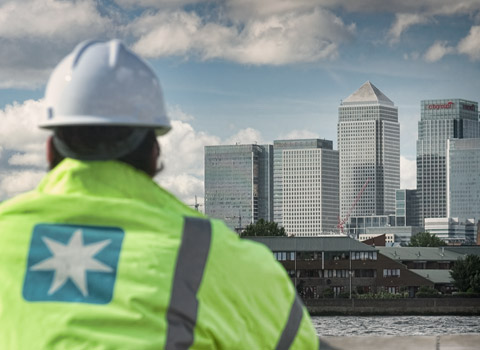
[(104, 84)]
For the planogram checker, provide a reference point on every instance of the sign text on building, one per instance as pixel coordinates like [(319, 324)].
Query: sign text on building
[(469, 107), (448, 105)]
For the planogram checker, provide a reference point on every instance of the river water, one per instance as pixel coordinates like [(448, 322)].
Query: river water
[(395, 325)]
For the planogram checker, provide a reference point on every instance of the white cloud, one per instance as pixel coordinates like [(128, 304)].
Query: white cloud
[(408, 173), (156, 3), (426, 7), (437, 51), (182, 157), (184, 186), (13, 183), (403, 21), (19, 131), (470, 45), (299, 134), (176, 113), (22, 152), (278, 39), (268, 32), (412, 56), (22, 159), (36, 159), (164, 33), (36, 34), (62, 20), (182, 149), (246, 136)]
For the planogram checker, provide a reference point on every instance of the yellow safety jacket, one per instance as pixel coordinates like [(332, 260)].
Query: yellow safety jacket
[(100, 257)]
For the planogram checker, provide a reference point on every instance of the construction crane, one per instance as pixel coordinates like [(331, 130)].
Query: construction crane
[(239, 217), (196, 205), (342, 222)]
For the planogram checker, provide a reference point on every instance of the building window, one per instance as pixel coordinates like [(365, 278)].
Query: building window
[(337, 290), (362, 273), (392, 290), (284, 256), (391, 272), (310, 273), (364, 255)]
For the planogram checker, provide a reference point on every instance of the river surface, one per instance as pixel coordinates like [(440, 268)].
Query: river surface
[(395, 325)]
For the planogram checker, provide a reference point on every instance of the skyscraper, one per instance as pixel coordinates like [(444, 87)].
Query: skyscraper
[(369, 149), (239, 184), (440, 120), (305, 186), (463, 178)]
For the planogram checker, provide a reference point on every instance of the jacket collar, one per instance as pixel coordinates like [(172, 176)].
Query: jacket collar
[(106, 179)]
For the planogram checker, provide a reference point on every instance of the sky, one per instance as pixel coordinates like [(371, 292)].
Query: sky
[(240, 71)]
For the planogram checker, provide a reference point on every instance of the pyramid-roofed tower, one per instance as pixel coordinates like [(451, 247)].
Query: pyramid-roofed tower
[(368, 93), (369, 155)]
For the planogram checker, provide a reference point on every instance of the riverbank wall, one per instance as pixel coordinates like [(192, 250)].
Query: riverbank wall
[(390, 307), (444, 342)]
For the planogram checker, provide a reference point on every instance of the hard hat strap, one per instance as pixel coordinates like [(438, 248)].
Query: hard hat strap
[(104, 151)]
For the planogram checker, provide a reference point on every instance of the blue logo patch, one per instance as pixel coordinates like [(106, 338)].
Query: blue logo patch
[(71, 263)]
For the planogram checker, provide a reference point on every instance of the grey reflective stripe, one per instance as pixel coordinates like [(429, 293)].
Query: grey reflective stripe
[(191, 260), (293, 323)]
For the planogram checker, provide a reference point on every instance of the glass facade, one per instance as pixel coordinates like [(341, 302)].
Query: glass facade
[(239, 184), (406, 208), (359, 225), (369, 148), (453, 231), (305, 186), (463, 178), (440, 120)]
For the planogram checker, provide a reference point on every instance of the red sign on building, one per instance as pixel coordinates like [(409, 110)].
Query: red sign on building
[(469, 107), (448, 105)]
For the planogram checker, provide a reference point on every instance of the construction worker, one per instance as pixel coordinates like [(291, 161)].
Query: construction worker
[(98, 256)]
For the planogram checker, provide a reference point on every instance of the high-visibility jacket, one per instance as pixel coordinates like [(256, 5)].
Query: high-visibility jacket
[(100, 257)]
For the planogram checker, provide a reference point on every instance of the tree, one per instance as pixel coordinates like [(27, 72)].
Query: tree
[(466, 274), (264, 228), (426, 239)]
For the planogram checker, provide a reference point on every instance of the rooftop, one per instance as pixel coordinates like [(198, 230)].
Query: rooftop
[(419, 253), (367, 93), (312, 244), (436, 276), (465, 250)]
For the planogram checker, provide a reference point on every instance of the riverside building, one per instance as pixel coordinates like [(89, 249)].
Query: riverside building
[(305, 186), (440, 120), (369, 150), (340, 266), (239, 184)]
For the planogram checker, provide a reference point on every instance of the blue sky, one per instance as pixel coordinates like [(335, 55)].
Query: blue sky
[(240, 70)]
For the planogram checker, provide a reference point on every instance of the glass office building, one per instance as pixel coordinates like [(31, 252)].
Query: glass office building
[(239, 184), (463, 178), (454, 231), (369, 149), (407, 208), (305, 186), (440, 120)]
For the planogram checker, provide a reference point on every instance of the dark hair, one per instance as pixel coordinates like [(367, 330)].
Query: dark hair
[(88, 140)]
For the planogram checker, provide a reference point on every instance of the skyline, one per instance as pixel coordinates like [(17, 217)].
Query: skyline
[(241, 71)]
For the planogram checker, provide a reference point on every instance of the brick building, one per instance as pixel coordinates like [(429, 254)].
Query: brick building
[(342, 265)]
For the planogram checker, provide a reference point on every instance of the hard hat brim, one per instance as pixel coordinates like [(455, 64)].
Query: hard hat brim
[(89, 120)]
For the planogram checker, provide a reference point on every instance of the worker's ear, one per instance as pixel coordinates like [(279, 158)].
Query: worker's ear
[(50, 151), (154, 159)]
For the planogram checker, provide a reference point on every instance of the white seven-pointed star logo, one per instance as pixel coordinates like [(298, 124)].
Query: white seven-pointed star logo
[(72, 261)]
